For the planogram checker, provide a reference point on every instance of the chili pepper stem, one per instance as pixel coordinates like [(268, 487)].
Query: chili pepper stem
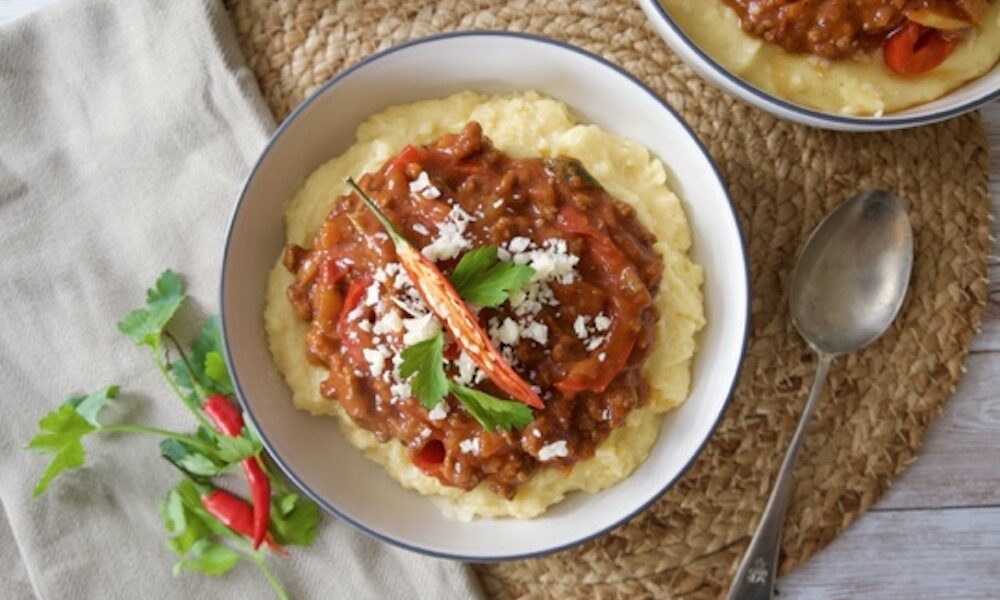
[(180, 437), (397, 238)]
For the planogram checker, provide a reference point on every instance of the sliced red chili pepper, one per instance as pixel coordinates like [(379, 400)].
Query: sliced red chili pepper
[(237, 514), (629, 297), (446, 303), (914, 49), (350, 337), (229, 419)]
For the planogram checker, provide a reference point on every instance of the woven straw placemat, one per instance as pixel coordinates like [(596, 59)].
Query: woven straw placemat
[(784, 178)]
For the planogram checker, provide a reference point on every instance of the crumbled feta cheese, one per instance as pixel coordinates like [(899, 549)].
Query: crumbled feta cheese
[(450, 240), (498, 203), (594, 343), (372, 294), (439, 412), (536, 331), (375, 359), (602, 322), (389, 323), (508, 332), (602, 356), (553, 450), (580, 326), (419, 228), (401, 391), (468, 372), (420, 328), (469, 446), (422, 185), (518, 244)]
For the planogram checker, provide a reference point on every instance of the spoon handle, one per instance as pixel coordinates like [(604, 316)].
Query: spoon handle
[(755, 577)]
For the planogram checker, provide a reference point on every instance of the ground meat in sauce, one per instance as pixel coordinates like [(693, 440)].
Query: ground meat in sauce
[(836, 28), (505, 199)]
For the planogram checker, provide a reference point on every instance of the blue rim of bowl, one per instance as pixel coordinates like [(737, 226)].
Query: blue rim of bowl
[(881, 123), (302, 485)]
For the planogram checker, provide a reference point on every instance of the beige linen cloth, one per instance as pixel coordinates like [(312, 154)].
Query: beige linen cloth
[(126, 129)]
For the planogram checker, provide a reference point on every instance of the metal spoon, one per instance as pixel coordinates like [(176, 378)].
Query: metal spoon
[(848, 285)]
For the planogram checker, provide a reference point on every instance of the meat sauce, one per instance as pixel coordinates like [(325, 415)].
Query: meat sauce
[(840, 28), (591, 331)]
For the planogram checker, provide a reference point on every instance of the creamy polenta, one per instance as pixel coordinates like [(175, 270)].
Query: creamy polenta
[(862, 85), (521, 125)]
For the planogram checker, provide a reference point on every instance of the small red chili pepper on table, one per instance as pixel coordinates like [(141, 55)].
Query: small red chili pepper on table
[(229, 420), (235, 513), (446, 303)]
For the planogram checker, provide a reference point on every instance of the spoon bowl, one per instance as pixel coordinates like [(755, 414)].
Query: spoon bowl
[(852, 274)]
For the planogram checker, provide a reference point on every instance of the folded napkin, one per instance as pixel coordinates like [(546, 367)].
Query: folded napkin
[(126, 129)]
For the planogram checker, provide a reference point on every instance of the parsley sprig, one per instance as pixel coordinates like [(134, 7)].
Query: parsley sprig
[(486, 281), (201, 540), (430, 384)]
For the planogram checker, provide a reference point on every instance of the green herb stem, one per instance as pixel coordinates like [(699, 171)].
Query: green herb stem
[(180, 437), (257, 559), (199, 388), (165, 371)]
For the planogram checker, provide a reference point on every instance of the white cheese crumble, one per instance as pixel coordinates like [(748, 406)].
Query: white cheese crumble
[(388, 323), (536, 331), (419, 228), (468, 372), (450, 240), (439, 412), (420, 328), (422, 185), (375, 359), (469, 446), (602, 322), (553, 450), (580, 326), (507, 332)]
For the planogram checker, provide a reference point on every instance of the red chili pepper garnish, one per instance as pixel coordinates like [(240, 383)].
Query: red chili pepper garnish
[(229, 420), (629, 297), (458, 318), (237, 514), (350, 337), (914, 49)]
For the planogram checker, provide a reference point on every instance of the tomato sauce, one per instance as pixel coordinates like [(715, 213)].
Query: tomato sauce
[(598, 324)]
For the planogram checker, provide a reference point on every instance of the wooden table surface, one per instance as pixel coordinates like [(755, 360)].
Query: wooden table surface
[(936, 534)]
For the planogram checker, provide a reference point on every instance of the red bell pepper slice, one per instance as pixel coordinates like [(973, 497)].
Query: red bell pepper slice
[(629, 297), (914, 49)]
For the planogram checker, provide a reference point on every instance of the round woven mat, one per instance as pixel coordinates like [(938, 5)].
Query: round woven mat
[(784, 178)]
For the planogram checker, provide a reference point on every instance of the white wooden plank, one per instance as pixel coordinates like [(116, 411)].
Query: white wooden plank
[(906, 555), (959, 464)]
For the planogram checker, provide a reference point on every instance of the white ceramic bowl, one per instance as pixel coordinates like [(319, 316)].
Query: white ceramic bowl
[(311, 451), (969, 97)]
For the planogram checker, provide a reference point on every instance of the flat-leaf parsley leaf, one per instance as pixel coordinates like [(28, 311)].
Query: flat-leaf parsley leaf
[(145, 325), (492, 413), (486, 281), (425, 361)]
